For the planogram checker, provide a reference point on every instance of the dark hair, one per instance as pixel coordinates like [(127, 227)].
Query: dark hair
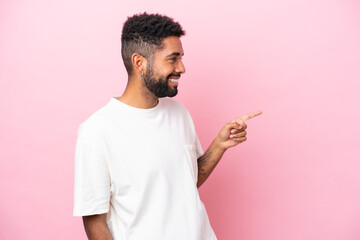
[(144, 34)]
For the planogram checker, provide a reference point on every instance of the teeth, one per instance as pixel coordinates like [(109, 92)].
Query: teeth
[(173, 80)]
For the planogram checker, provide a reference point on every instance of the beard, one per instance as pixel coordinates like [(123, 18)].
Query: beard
[(160, 87)]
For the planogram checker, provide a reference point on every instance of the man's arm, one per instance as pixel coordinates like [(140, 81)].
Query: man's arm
[(96, 227), (230, 135), (208, 161)]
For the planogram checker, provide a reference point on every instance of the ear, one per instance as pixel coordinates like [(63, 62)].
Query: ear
[(139, 63)]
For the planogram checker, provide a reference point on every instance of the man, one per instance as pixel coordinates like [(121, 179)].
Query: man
[(138, 160)]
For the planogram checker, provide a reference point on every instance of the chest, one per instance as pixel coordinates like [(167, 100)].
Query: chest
[(143, 150)]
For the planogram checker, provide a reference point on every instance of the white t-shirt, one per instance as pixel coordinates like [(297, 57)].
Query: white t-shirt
[(140, 167)]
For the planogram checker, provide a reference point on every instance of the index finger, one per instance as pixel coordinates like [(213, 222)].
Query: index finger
[(250, 115)]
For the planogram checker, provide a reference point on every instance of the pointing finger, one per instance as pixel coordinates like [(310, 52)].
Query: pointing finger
[(249, 115)]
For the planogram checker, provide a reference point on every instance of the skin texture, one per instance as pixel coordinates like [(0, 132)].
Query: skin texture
[(160, 87), (166, 61), (96, 227)]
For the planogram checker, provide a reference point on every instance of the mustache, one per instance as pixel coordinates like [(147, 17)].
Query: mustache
[(174, 75)]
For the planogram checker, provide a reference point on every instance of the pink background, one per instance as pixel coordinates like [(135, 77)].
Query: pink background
[(296, 177)]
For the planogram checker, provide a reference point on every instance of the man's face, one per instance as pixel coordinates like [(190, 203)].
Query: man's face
[(163, 73)]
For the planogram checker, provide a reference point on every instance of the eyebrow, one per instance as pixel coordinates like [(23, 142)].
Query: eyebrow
[(174, 54)]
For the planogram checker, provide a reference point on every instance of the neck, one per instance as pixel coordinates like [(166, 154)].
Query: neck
[(137, 95)]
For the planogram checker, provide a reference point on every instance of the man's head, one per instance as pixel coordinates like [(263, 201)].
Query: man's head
[(151, 48)]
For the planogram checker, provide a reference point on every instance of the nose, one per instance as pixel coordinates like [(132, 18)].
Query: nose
[(180, 68)]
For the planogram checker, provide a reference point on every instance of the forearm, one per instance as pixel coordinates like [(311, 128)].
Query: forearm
[(96, 227), (208, 161)]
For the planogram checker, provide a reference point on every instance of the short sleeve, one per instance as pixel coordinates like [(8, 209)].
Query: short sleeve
[(199, 150), (92, 179)]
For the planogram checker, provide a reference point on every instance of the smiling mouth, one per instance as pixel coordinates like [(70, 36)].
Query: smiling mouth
[(174, 80)]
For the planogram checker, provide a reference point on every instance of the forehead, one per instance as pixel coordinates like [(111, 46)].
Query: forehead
[(171, 45)]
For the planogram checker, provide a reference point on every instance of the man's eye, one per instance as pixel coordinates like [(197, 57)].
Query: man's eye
[(173, 59)]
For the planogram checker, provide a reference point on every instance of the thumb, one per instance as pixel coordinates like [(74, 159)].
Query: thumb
[(232, 125), (238, 124)]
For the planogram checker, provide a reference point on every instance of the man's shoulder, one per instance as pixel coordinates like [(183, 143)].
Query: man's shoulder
[(174, 104), (96, 121)]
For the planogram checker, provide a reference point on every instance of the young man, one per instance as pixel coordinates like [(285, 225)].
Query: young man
[(138, 160)]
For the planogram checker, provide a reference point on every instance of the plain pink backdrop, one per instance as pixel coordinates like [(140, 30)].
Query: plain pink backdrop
[(296, 177)]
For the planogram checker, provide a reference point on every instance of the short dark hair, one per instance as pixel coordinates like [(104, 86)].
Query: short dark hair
[(144, 34)]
